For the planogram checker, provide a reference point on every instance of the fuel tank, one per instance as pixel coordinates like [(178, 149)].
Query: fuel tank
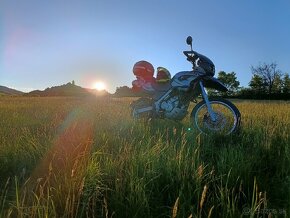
[(184, 79)]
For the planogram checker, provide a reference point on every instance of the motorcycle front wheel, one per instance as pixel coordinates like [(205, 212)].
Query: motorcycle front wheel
[(226, 113)]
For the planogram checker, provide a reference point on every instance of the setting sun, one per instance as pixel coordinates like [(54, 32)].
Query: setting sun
[(99, 86)]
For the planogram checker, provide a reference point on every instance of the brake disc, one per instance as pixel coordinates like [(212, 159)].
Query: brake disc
[(216, 125)]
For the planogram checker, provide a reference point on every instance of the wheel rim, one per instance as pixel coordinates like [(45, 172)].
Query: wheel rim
[(226, 119)]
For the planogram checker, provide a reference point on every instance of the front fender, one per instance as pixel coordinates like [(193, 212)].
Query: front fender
[(214, 83)]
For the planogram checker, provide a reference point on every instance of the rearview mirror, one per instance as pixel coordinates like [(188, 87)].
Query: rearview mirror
[(189, 41)]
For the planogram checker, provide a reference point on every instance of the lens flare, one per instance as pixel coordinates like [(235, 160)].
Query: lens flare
[(99, 86)]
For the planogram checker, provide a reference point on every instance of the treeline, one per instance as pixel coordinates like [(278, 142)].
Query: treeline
[(125, 91), (267, 82)]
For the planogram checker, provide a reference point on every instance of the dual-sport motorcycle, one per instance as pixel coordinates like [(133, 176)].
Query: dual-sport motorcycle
[(210, 115)]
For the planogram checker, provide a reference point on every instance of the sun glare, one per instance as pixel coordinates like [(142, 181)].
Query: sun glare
[(99, 86)]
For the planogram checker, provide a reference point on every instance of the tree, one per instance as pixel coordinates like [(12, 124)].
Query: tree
[(257, 84), (124, 91), (230, 81), (277, 85), (268, 73), (286, 84)]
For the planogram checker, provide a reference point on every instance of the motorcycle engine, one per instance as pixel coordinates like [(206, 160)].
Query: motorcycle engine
[(173, 108)]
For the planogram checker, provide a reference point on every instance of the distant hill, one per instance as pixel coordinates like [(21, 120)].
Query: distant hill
[(99, 93), (68, 89), (8, 91)]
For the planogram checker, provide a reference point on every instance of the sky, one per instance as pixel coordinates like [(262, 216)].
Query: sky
[(50, 43)]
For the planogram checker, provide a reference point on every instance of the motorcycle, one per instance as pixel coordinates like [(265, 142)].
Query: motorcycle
[(211, 115)]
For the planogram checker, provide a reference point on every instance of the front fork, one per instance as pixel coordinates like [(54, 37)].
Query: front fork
[(208, 105)]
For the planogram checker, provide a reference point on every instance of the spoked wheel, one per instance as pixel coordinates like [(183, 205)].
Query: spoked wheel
[(227, 117)]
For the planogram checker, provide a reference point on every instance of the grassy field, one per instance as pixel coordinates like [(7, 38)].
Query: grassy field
[(72, 157)]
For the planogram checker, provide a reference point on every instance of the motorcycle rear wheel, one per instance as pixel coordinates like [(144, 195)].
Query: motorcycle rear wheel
[(227, 117), (139, 104)]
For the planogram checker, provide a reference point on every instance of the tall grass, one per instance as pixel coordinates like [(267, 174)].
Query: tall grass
[(71, 157)]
